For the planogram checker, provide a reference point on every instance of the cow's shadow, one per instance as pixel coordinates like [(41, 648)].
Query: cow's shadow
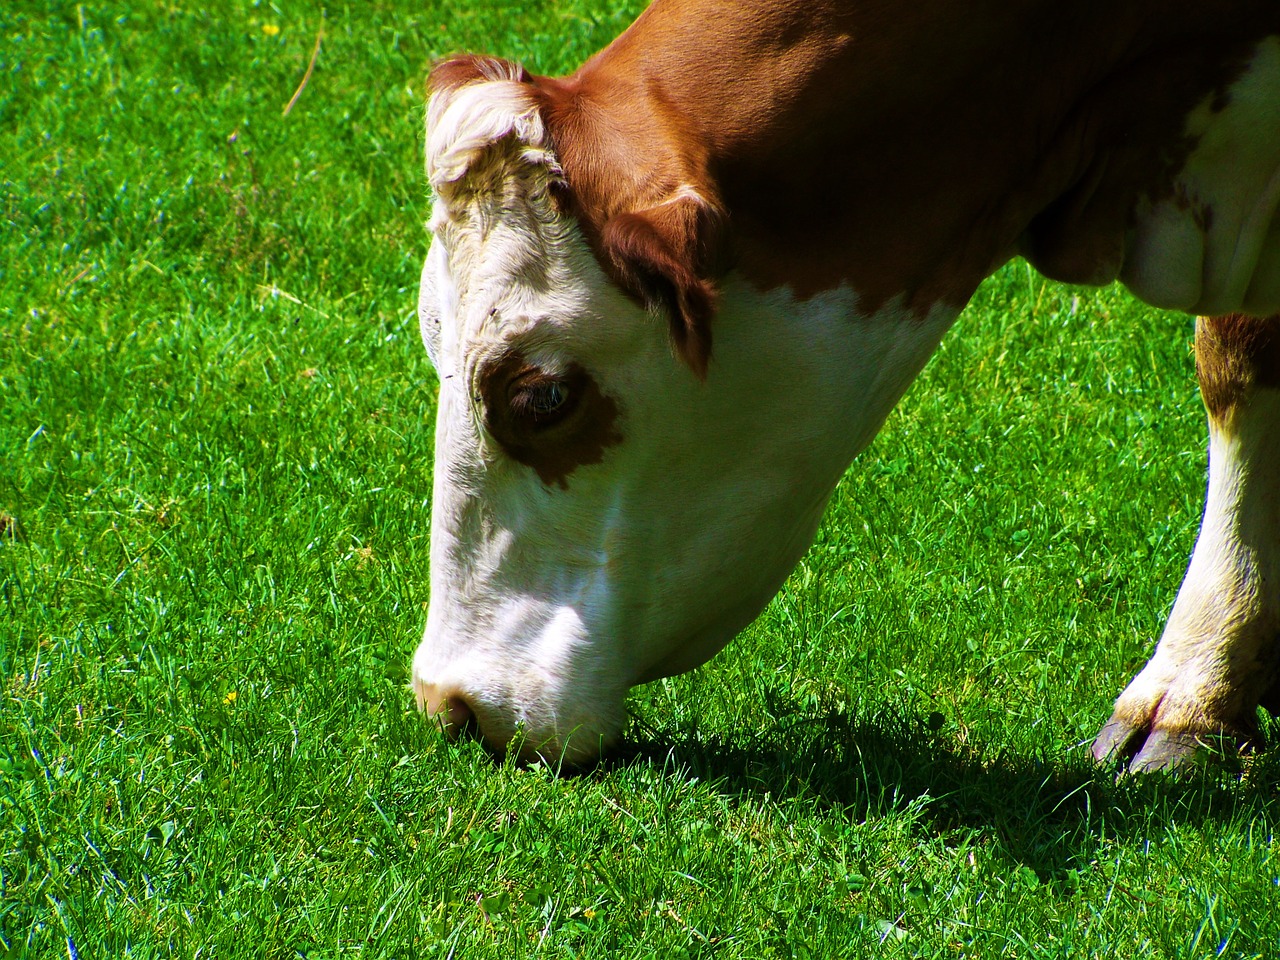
[(1047, 815)]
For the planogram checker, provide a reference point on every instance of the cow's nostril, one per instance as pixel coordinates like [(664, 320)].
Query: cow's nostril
[(448, 708), (459, 714)]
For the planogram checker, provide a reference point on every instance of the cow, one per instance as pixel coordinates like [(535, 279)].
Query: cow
[(671, 295)]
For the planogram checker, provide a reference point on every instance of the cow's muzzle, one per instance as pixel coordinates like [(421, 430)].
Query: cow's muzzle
[(448, 708)]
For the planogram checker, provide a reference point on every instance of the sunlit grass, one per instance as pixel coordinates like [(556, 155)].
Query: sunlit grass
[(215, 437)]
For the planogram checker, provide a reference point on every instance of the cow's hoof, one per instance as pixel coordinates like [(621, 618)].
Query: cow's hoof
[(1165, 750), (1144, 750), (1118, 740)]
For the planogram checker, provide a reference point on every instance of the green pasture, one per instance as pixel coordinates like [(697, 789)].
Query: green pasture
[(215, 468)]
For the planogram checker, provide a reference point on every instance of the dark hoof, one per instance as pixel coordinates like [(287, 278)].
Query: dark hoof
[(1149, 751), (1118, 740), (1165, 750)]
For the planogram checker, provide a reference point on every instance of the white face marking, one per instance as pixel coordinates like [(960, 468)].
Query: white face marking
[(1214, 247), (549, 600)]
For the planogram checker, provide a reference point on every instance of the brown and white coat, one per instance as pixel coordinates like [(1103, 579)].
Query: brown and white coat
[(806, 194)]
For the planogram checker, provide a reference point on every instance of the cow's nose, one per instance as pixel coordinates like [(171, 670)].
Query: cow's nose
[(447, 707)]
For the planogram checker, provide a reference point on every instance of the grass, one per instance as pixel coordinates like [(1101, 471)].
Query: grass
[(215, 437)]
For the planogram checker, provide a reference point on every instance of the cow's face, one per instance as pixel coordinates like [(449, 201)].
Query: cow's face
[(603, 515)]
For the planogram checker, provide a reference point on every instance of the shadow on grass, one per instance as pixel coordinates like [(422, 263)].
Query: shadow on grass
[(1045, 814)]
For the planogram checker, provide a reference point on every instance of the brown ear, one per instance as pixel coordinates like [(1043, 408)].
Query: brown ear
[(662, 255)]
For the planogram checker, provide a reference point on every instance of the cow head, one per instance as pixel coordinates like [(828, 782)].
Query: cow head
[(608, 508)]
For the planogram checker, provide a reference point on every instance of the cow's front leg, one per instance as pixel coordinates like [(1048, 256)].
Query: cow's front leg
[(1219, 657)]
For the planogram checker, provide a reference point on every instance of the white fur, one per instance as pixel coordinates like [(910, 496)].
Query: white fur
[(1215, 247)]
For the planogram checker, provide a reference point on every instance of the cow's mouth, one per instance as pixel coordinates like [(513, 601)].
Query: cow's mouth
[(460, 717)]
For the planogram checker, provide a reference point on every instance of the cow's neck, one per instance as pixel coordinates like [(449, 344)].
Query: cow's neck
[(901, 152)]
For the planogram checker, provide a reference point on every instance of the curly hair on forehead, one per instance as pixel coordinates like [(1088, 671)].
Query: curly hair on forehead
[(476, 104)]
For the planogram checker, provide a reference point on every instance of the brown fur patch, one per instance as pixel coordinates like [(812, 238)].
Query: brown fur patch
[(901, 150), (1235, 354), (554, 442)]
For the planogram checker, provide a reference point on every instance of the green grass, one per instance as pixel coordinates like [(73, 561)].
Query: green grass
[(215, 437)]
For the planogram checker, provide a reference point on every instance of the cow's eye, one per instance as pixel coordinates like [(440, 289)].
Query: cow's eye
[(541, 402)]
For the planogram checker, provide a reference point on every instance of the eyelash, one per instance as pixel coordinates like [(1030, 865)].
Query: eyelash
[(541, 404)]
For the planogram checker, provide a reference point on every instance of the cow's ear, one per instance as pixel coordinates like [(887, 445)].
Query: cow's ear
[(664, 255)]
